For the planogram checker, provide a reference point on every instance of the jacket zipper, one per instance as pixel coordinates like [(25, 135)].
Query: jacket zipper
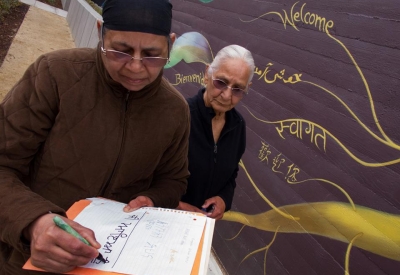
[(108, 183), (126, 104), (215, 153), (216, 144)]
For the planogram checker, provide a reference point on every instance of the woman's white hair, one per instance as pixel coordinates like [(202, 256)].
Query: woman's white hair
[(233, 52)]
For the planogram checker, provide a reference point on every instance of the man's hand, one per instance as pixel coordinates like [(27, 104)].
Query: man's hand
[(217, 205), (140, 201), (55, 250), (188, 207)]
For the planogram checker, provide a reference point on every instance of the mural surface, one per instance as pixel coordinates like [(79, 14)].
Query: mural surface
[(318, 190)]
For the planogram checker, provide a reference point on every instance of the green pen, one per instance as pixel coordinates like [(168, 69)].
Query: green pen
[(67, 228)]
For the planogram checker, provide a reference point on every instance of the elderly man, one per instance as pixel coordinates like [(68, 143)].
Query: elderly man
[(90, 122)]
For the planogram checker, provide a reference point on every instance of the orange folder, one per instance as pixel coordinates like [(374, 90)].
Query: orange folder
[(75, 209)]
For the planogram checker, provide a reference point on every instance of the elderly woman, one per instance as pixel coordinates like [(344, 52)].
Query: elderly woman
[(218, 133)]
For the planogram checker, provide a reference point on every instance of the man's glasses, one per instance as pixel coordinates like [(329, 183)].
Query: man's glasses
[(121, 57), (221, 85)]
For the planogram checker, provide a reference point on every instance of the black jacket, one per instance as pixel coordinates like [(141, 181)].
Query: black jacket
[(213, 167)]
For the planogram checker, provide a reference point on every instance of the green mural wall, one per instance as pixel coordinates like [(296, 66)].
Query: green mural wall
[(319, 184)]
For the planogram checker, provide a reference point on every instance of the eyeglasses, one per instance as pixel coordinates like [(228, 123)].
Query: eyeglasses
[(121, 57), (221, 85)]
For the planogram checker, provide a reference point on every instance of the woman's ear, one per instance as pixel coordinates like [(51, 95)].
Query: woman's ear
[(205, 81)]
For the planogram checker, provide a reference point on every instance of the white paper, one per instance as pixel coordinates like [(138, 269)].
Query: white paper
[(208, 235), (148, 241)]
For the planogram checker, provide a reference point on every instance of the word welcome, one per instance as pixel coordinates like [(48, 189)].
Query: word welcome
[(307, 18)]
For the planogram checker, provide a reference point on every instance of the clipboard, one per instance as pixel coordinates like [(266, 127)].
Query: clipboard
[(201, 259)]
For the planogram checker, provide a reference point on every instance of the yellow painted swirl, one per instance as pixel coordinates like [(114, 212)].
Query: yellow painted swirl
[(380, 231)]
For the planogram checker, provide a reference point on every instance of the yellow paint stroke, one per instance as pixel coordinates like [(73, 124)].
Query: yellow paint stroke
[(265, 198), (347, 261), (385, 141), (266, 248), (234, 237), (241, 163), (276, 13), (329, 182), (367, 164), (334, 220), (367, 89)]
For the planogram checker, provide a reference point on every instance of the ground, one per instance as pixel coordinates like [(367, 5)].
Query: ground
[(11, 23), (40, 32)]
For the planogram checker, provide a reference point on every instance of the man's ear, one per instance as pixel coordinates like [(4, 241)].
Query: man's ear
[(172, 36), (99, 24)]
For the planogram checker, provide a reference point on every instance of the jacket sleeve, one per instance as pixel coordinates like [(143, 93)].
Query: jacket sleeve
[(229, 190), (170, 178), (26, 116)]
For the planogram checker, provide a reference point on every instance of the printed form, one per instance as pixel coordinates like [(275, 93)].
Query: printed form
[(147, 241)]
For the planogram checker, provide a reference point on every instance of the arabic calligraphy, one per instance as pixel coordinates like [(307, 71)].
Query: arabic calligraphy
[(278, 76)]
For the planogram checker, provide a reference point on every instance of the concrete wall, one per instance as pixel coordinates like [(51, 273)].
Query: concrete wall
[(320, 175), (318, 189), (65, 4), (82, 20)]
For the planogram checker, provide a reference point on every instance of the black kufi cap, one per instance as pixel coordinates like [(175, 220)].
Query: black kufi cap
[(149, 16)]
